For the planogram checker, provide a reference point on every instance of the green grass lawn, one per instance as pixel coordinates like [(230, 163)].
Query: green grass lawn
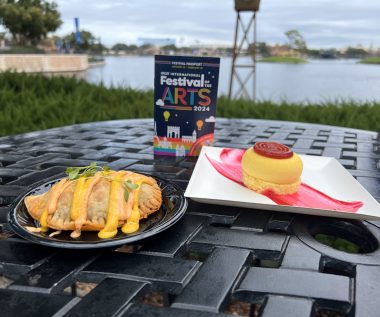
[(35, 102), (371, 60), (283, 59)]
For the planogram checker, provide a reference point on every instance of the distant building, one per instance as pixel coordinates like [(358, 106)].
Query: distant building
[(210, 49), (156, 41), (283, 51)]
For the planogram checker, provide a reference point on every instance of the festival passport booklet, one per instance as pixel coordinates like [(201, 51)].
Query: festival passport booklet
[(185, 96)]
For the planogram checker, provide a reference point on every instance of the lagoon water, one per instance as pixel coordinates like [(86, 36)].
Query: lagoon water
[(316, 81)]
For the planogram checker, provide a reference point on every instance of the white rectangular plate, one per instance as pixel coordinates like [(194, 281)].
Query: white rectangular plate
[(325, 174)]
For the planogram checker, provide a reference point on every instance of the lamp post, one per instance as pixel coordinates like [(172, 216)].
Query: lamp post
[(250, 7)]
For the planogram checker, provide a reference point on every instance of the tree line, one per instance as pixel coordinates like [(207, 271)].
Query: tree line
[(30, 21)]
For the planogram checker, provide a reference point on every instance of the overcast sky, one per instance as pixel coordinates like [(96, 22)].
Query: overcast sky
[(323, 23)]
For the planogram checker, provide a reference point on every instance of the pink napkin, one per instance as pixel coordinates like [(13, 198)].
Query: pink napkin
[(230, 166)]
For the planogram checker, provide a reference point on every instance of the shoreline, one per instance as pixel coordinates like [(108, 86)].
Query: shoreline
[(43, 63)]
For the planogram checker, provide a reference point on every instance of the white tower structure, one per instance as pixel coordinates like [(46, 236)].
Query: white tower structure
[(244, 73)]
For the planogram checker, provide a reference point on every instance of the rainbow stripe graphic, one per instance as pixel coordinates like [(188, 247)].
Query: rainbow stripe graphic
[(171, 146)]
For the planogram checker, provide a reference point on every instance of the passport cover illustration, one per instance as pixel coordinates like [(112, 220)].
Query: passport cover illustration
[(185, 96)]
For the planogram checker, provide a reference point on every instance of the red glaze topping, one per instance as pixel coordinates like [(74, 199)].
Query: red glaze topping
[(273, 150)]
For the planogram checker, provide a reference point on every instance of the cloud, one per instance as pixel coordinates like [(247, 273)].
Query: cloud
[(159, 102), (210, 119), (109, 5), (343, 22)]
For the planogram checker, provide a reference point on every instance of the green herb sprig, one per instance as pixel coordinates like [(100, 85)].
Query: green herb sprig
[(74, 173), (129, 185), (85, 171)]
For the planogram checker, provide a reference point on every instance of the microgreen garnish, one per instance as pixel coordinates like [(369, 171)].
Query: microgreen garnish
[(129, 185), (84, 171), (126, 195), (90, 170)]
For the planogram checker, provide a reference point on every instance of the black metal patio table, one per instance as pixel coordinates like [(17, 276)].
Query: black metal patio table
[(216, 260)]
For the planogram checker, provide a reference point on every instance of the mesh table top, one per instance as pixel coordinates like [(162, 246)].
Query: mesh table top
[(216, 260)]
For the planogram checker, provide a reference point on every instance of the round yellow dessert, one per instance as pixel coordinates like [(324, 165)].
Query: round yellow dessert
[(270, 165)]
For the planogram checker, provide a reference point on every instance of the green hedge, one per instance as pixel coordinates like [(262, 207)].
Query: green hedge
[(340, 113), (22, 50), (35, 102)]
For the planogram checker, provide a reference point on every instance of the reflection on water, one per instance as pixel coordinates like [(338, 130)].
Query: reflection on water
[(316, 81)]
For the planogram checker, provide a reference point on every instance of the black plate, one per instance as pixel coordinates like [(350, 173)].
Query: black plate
[(173, 207)]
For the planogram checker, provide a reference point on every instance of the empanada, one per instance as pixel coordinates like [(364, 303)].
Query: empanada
[(97, 203)]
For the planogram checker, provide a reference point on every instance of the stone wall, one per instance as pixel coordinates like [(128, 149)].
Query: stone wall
[(43, 63)]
